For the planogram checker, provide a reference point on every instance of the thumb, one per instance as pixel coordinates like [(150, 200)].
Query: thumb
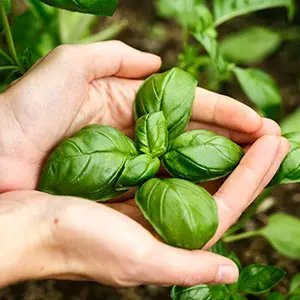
[(173, 266)]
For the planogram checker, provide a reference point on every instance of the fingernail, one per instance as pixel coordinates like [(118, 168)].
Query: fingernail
[(227, 274)]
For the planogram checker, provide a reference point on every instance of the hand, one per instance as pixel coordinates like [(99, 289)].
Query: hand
[(71, 238), (77, 85)]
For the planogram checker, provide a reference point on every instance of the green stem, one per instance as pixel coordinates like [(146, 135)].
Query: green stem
[(9, 38), (8, 68), (241, 236), (6, 56), (110, 32)]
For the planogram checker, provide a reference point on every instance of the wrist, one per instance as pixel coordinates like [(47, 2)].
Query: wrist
[(27, 250)]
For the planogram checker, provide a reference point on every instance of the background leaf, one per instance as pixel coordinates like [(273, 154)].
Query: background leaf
[(282, 232), (262, 90), (250, 46), (291, 123), (295, 285), (74, 26), (226, 10), (199, 292), (256, 278)]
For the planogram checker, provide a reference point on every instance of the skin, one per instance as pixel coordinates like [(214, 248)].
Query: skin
[(72, 238)]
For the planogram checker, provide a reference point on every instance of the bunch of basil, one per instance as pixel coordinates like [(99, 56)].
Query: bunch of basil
[(100, 162)]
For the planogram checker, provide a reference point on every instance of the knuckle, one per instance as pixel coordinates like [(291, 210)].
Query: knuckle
[(118, 44)]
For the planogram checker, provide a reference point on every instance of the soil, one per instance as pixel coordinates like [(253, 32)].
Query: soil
[(148, 32)]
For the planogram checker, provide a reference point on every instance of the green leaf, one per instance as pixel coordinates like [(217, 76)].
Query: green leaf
[(295, 297), (182, 213), (229, 9), (295, 284), (262, 90), (256, 278), (152, 134), (137, 171), (201, 155), (282, 232), (96, 7), (291, 123), (275, 296), (183, 11), (74, 26), (250, 46), (37, 41), (88, 164), (173, 93), (199, 292), (289, 171)]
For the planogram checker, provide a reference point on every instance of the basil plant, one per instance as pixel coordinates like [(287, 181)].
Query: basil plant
[(100, 162)]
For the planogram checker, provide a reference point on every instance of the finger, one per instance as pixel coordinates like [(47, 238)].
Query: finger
[(175, 266), (251, 176), (223, 111), (269, 127), (112, 58), (282, 152)]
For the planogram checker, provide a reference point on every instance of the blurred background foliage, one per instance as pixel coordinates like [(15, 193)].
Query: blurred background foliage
[(265, 39)]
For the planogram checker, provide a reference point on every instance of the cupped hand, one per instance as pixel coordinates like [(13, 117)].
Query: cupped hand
[(72, 238), (78, 85)]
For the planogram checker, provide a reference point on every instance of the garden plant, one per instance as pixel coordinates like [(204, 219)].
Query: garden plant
[(100, 162)]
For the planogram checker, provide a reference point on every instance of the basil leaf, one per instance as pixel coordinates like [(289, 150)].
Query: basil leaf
[(262, 90), (183, 214), (198, 292), (250, 46), (173, 93), (289, 171), (88, 164), (185, 12), (295, 285), (291, 123), (281, 232), (229, 9), (201, 155), (97, 7), (151, 134), (137, 171), (256, 278)]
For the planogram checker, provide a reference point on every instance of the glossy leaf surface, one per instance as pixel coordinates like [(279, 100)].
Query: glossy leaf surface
[(152, 134), (137, 171), (173, 93), (257, 278), (88, 164), (289, 171), (201, 155), (182, 213)]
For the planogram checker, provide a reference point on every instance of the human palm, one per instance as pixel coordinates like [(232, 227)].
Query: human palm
[(79, 85)]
